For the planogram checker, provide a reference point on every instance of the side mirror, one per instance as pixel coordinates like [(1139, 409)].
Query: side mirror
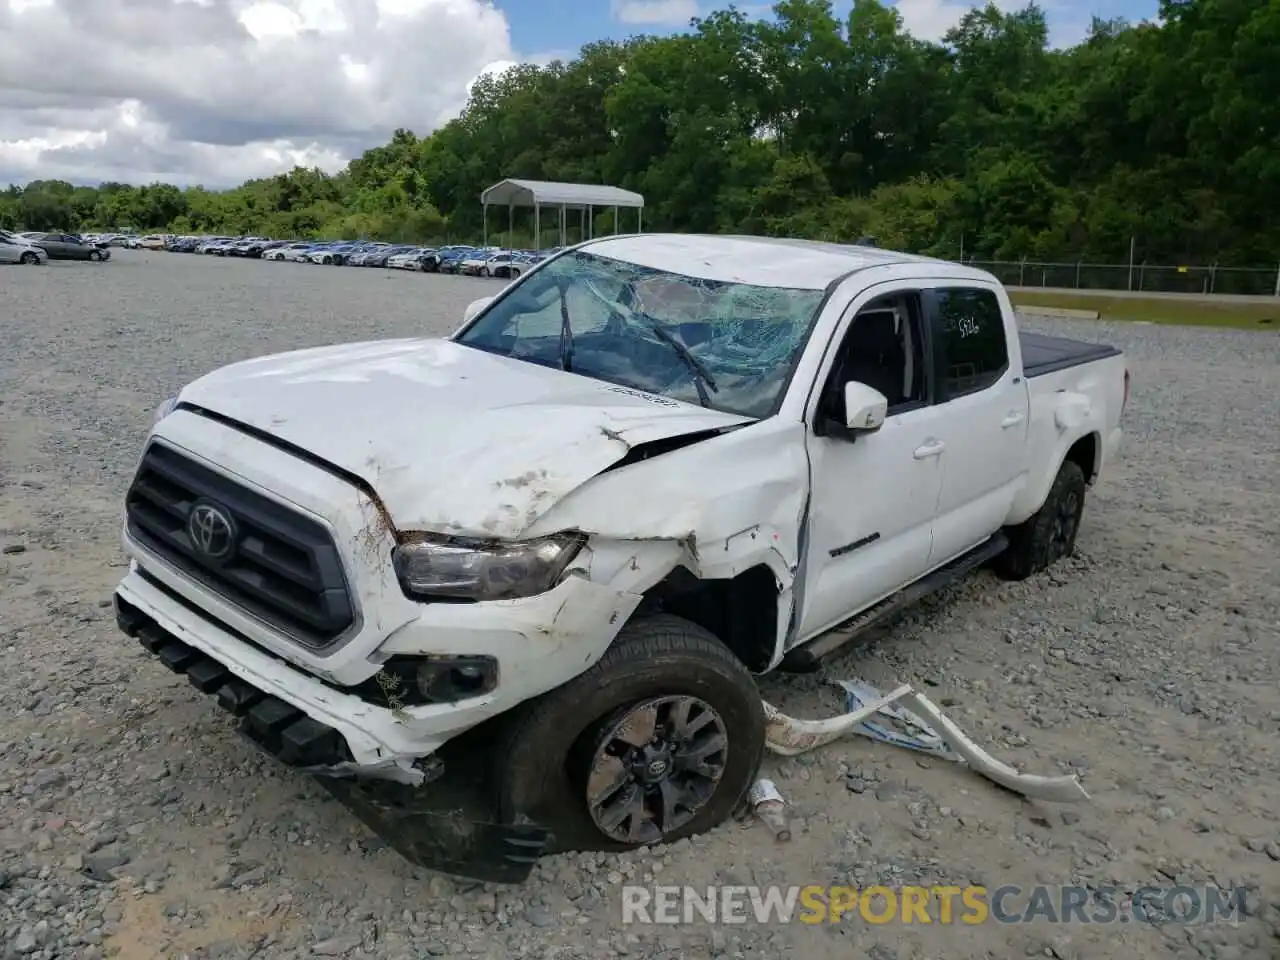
[(864, 407), (474, 308)]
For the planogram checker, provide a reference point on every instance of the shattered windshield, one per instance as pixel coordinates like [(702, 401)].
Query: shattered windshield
[(728, 346)]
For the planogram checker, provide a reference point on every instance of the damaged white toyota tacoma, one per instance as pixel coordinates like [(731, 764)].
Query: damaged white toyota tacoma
[(571, 534)]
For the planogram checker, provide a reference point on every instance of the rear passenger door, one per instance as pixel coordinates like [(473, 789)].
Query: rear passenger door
[(984, 404), (73, 248)]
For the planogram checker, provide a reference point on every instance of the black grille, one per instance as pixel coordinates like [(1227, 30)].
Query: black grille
[(284, 570)]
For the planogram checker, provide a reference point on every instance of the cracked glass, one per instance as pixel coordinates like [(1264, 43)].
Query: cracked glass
[(735, 344)]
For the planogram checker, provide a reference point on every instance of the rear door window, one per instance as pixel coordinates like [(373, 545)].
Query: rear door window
[(974, 349)]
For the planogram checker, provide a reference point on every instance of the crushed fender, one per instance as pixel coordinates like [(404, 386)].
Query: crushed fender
[(932, 733)]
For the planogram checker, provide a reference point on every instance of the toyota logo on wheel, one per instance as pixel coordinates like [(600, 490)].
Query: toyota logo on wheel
[(212, 531)]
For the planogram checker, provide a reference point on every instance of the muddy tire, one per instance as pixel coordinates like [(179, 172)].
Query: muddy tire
[(1049, 534), (659, 740)]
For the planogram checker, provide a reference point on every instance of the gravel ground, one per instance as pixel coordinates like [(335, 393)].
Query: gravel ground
[(134, 823)]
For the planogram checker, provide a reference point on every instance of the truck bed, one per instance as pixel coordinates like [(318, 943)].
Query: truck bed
[(1042, 354)]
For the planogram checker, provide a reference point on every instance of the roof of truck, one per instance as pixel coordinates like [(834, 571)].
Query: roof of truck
[(762, 261)]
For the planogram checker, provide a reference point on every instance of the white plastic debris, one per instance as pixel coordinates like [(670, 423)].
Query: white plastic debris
[(768, 805), (910, 731), (790, 736)]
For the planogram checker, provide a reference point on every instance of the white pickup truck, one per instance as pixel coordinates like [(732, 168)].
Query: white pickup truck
[(646, 471)]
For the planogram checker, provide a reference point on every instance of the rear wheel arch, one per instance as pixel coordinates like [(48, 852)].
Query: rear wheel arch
[(1085, 453)]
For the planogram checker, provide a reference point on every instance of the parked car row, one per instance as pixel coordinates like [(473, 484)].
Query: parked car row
[(34, 247), (152, 241), (452, 258)]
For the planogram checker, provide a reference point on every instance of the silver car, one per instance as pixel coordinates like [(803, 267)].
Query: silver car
[(14, 249)]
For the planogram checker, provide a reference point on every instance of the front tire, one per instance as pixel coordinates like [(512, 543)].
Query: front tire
[(659, 740), (28, 258), (1049, 534)]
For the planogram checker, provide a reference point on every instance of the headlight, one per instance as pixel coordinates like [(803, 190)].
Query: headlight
[(164, 410), (462, 569)]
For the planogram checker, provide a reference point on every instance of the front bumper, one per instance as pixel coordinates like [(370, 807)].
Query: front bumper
[(298, 719), (429, 831), (281, 729)]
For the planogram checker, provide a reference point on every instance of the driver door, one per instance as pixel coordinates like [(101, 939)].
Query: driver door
[(874, 497)]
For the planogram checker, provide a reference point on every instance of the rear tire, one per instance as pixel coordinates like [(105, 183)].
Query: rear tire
[(663, 676), (1050, 533)]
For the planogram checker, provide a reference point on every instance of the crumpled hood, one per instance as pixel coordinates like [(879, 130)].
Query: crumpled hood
[(452, 439)]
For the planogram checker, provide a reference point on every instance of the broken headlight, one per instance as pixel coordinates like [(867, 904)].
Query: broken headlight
[(454, 568)]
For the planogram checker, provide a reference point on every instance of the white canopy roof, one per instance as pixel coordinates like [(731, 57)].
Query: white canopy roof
[(527, 193)]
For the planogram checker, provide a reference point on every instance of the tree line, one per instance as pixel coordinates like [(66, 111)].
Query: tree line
[(988, 143)]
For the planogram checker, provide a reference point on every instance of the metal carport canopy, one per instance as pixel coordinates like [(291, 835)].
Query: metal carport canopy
[(584, 197), (528, 193)]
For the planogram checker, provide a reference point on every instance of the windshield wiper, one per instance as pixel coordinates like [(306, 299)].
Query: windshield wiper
[(701, 375), (566, 334)]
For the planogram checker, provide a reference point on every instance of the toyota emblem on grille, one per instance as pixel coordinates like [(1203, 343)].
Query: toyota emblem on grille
[(212, 531)]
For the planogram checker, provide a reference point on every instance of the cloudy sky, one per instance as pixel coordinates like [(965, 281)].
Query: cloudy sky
[(217, 91)]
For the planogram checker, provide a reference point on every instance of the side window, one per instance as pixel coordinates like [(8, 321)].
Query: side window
[(974, 350), (883, 348)]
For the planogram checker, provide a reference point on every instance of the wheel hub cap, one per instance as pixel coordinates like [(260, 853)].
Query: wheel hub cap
[(1064, 523), (655, 767)]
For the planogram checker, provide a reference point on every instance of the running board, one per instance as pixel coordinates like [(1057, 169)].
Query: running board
[(807, 658)]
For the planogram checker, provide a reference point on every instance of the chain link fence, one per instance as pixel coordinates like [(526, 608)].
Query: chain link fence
[(1142, 277)]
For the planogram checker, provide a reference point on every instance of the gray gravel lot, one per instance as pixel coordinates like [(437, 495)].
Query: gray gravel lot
[(134, 823)]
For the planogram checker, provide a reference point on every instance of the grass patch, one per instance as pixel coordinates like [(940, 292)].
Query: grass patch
[(1196, 313)]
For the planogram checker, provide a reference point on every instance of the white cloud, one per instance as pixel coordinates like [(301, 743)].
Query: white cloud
[(655, 12), (930, 19), (216, 91)]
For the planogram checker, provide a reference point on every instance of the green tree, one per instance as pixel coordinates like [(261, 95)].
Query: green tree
[(806, 125)]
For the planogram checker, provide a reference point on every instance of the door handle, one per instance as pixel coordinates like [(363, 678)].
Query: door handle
[(1012, 419), (930, 448)]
